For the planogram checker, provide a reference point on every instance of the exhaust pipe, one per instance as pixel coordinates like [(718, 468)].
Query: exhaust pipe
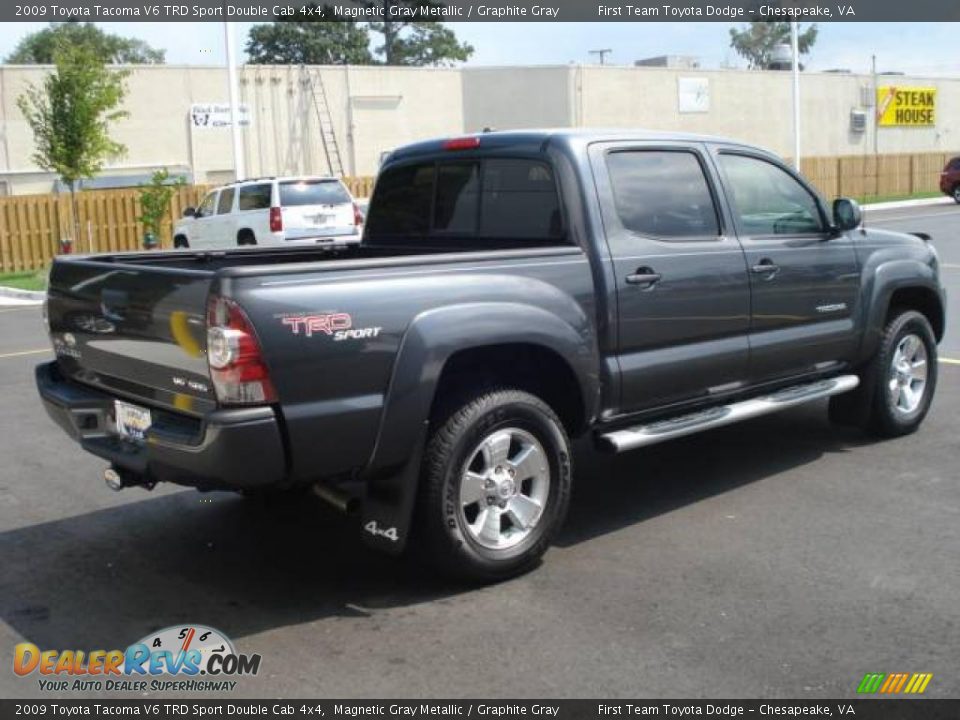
[(117, 479), (342, 501)]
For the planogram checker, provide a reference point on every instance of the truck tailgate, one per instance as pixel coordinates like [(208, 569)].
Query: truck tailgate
[(138, 332)]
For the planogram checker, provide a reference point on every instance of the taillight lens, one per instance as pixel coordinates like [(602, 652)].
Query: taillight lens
[(276, 220), (357, 215), (239, 374)]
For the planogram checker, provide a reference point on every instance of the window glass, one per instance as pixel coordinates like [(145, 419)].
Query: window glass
[(401, 203), (458, 198), (313, 192), (519, 201), (662, 193), (768, 200), (254, 197), (225, 204), (206, 207)]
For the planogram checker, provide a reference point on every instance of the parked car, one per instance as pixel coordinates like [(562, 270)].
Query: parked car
[(512, 291), (950, 179), (272, 211)]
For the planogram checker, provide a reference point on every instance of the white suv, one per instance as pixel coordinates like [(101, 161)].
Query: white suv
[(272, 211)]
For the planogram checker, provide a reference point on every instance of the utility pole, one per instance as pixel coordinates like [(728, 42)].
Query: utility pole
[(239, 168), (602, 53), (795, 44)]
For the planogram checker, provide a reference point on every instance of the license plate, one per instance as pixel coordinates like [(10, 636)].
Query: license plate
[(319, 220), (132, 421)]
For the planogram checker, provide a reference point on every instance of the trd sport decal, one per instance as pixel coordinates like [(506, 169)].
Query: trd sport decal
[(339, 326)]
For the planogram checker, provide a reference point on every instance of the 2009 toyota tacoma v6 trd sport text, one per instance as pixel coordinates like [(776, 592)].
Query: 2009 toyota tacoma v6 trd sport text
[(512, 290)]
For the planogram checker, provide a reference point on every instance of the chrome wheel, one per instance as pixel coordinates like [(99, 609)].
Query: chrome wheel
[(907, 380), (504, 487)]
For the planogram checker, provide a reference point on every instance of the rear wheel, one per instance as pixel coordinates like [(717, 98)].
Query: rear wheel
[(898, 384), (180, 241), (956, 193), (495, 486), (246, 237)]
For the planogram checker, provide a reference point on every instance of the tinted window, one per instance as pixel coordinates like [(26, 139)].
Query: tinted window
[(225, 203), (401, 203), (662, 193), (767, 199), (519, 201), (954, 164), (206, 207), (458, 198), (315, 192), (254, 197)]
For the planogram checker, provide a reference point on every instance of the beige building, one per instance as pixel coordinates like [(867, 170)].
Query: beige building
[(323, 119)]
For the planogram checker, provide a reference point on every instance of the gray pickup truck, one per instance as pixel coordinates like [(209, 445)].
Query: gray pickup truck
[(512, 291)]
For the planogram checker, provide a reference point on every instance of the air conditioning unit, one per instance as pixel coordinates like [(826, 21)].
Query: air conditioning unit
[(858, 121)]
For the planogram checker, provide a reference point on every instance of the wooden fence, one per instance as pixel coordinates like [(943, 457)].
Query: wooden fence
[(31, 226)]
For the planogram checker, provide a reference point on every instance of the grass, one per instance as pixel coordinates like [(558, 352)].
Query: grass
[(865, 199), (25, 280)]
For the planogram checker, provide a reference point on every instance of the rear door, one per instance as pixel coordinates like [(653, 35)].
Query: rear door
[(315, 208), (804, 280), (682, 288)]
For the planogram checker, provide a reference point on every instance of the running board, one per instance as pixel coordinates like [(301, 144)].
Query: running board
[(642, 435)]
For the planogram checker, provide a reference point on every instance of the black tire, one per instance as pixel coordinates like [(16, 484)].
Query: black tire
[(441, 526), (956, 193), (180, 241), (874, 405), (246, 237)]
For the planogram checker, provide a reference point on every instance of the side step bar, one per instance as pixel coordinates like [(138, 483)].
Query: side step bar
[(642, 435)]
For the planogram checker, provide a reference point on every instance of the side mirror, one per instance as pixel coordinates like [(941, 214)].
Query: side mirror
[(846, 214), (189, 212)]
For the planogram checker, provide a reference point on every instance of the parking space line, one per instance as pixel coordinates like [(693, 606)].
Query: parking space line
[(950, 361), (950, 266), (23, 352)]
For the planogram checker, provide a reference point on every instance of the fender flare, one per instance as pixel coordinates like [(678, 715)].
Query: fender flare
[(889, 277), (392, 476)]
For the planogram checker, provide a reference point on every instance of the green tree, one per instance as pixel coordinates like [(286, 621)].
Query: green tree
[(39, 48), (755, 41), (155, 200), (300, 40), (291, 41), (70, 115)]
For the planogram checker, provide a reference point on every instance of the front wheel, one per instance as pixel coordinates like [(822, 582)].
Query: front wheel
[(956, 193), (901, 378), (495, 486)]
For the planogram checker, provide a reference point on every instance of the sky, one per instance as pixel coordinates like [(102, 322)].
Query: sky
[(912, 48)]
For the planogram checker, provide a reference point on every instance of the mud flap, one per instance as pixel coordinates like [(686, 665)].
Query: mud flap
[(390, 500)]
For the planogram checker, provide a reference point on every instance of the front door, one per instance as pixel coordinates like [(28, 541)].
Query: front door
[(682, 288), (804, 279), (202, 228)]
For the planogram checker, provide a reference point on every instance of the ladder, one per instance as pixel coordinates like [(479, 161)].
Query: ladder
[(328, 137)]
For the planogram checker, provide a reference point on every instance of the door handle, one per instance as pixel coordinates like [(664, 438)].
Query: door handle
[(766, 267), (645, 277)]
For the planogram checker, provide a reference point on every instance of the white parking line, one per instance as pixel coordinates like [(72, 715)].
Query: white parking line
[(950, 361), (24, 352)]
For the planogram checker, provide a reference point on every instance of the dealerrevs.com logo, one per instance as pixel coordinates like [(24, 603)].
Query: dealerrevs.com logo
[(178, 658)]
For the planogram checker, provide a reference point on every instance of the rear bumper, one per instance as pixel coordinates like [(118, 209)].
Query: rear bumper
[(229, 449)]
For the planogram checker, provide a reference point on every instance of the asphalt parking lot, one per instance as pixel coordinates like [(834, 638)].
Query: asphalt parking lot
[(779, 558)]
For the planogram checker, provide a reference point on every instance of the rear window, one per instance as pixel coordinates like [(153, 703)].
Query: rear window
[(254, 197), (313, 192), (494, 201)]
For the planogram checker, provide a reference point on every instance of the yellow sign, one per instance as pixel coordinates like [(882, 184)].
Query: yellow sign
[(906, 106)]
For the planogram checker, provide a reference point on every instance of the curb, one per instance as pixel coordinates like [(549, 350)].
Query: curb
[(22, 296), (896, 204)]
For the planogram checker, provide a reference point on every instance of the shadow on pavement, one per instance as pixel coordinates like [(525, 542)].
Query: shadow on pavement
[(106, 578)]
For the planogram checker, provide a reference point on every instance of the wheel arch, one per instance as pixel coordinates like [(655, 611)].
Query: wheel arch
[(455, 344)]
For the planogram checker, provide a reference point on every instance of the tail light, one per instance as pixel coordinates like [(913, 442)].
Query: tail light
[(357, 215), (276, 220), (239, 374)]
